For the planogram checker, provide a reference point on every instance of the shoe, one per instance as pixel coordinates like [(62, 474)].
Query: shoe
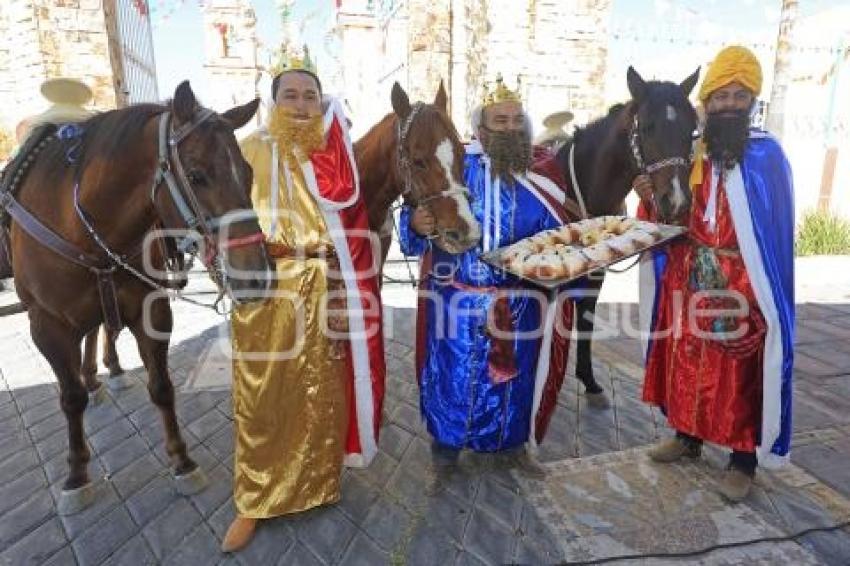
[(673, 450), (239, 534), (735, 485), (528, 465)]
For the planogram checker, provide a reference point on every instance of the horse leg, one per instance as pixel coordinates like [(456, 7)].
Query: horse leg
[(153, 350), (89, 367), (585, 312), (110, 354), (59, 343)]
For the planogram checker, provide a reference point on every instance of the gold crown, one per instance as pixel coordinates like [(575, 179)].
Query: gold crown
[(293, 61), (502, 93)]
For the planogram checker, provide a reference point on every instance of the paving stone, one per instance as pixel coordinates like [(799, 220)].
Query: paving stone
[(379, 471), (52, 445), (300, 555), (357, 498), (326, 532), (363, 552), (830, 547), (395, 440), (430, 545), (65, 557), (219, 489), (137, 474), (486, 538), (31, 397), (222, 517), (111, 436), (536, 534), (407, 417), (502, 503), (165, 531), (104, 537), (199, 547), (37, 546), (132, 399), (409, 489), (22, 461), (27, 516), (208, 424), (16, 491), (469, 559), (151, 500), (37, 413), (273, 538), (99, 416), (48, 426), (449, 514), (134, 552), (127, 451), (221, 443), (387, 523)]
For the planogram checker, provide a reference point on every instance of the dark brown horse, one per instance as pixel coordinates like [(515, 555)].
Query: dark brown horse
[(651, 134), (415, 152), (177, 166)]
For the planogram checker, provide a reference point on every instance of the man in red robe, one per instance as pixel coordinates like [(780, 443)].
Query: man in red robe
[(720, 327)]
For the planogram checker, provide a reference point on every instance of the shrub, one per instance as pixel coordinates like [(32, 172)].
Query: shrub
[(822, 233)]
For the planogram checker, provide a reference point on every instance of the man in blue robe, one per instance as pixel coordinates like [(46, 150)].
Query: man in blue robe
[(491, 351)]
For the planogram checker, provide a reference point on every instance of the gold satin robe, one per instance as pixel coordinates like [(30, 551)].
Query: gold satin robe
[(290, 413)]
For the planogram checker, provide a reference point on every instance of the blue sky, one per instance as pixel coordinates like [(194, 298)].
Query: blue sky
[(661, 38)]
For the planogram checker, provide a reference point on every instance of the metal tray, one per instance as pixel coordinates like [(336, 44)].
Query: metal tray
[(668, 233)]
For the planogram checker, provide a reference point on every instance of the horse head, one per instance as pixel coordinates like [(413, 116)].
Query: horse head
[(208, 195), (430, 161), (661, 139)]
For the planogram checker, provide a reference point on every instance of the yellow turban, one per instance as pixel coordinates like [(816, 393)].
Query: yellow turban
[(732, 64)]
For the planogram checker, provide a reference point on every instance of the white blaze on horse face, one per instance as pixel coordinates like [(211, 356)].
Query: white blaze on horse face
[(677, 198), (671, 113), (237, 178), (446, 156)]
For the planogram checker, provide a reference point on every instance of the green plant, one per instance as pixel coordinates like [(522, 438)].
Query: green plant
[(822, 233)]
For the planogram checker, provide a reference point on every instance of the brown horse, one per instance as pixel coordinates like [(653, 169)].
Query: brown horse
[(651, 134), (415, 152), (177, 166)]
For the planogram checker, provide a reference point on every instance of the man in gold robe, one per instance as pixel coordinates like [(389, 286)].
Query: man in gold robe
[(308, 370)]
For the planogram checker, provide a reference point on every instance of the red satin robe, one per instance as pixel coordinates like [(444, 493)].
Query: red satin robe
[(704, 392)]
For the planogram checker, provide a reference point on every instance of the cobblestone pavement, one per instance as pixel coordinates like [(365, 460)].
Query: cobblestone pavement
[(601, 497)]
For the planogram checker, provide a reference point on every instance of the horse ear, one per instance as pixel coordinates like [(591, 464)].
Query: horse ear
[(689, 83), (184, 103), (238, 116), (401, 104), (637, 86), (441, 100)]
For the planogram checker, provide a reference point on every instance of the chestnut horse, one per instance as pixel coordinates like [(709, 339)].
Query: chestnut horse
[(415, 152), (77, 235), (651, 134)]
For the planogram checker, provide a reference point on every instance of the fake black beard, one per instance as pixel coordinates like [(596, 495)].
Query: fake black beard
[(726, 135), (509, 152)]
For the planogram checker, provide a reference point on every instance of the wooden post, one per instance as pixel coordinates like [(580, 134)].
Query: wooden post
[(825, 195), (116, 54)]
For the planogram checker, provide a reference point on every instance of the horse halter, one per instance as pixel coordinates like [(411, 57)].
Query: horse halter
[(634, 144), (201, 226), (409, 189)]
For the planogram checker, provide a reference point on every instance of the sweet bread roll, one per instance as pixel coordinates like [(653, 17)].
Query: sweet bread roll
[(599, 253), (590, 237), (613, 223), (624, 244), (543, 266), (575, 263)]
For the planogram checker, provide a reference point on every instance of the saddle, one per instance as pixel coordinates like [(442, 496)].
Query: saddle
[(11, 178)]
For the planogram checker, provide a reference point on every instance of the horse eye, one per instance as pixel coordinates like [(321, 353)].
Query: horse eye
[(419, 163), (196, 178)]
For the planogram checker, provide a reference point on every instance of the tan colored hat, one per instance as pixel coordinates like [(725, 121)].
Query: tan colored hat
[(554, 124), (63, 90)]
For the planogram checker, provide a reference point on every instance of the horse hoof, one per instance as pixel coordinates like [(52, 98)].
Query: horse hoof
[(192, 482), (73, 501), (120, 381), (598, 400), (97, 396)]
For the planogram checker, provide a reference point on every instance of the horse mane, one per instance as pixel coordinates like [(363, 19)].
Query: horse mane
[(104, 135)]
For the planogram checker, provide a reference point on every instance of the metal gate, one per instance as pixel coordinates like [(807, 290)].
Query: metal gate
[(131, 51)]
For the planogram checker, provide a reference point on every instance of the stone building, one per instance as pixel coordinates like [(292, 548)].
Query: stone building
[(105, 43), (230, 53), (557, 47)]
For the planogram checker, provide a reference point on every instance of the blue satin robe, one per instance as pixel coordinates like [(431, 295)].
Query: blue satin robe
[(461, 405)]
